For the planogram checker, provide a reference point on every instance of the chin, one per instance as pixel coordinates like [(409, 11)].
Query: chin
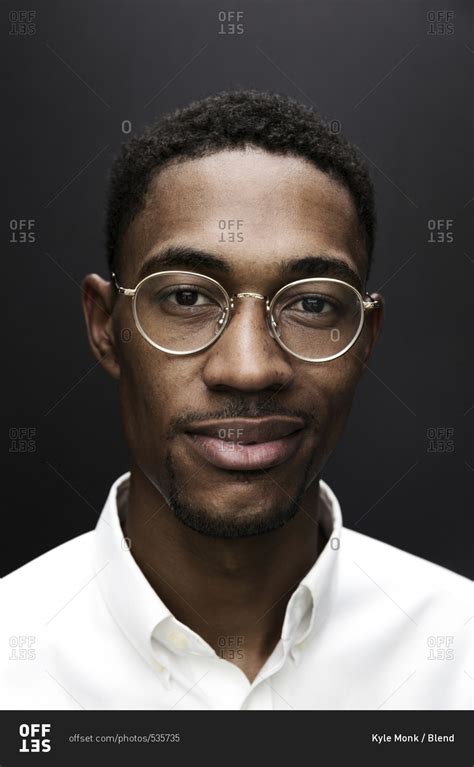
[(232, 524), (234, 510)]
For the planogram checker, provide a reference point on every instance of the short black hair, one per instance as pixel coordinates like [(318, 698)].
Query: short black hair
[(233, 120)]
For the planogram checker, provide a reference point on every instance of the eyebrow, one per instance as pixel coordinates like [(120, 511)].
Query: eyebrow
[(179, 257), (322, 266)]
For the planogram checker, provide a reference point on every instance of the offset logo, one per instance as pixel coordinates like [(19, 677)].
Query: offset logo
[(34, 738)]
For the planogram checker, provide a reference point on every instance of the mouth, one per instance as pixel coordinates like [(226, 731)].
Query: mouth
[(250, 444)]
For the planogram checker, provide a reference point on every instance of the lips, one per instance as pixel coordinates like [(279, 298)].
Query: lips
[(247, 444)]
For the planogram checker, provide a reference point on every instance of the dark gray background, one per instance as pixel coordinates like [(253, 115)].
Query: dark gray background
[(399, 92)]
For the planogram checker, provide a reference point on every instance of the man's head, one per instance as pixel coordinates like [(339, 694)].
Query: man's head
[(304, 203), (229, 121)]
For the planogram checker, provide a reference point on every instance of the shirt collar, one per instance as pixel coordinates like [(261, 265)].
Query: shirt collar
[(310, 603), (139, 611), (133, 603)]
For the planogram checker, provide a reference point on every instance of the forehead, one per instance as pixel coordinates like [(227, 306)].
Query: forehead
[(250, 208)]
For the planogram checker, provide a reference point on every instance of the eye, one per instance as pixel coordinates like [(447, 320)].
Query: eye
[(313, 304), (188, 297)]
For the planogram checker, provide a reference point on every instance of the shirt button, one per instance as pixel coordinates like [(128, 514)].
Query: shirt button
[(178, 640), (163, 672)]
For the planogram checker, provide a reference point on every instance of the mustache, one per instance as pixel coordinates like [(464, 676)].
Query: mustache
[(240, 407)]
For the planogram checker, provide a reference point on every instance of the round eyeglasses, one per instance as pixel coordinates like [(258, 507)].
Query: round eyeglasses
[(315, 319)]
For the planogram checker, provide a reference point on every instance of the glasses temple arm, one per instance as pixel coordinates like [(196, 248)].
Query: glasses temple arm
[(124, 291)]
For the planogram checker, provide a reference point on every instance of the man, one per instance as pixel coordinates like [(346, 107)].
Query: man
[(237, 324)]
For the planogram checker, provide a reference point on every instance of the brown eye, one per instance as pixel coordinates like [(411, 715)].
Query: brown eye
[(186, 297), (313, 304)]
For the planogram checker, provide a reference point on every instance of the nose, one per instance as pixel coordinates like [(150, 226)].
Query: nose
[(246, 357)]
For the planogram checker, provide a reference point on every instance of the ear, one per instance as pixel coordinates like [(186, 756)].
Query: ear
[(373, 326), (97, 304)]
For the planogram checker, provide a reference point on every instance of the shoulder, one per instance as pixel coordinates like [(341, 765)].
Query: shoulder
[(418, 579), (43, 580), (47, 605)]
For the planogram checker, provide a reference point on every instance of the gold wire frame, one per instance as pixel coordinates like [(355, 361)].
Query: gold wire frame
[(366, 304)]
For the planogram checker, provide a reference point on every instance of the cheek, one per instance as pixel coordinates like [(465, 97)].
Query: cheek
[(331, 389), (144, 399), (142, 382), (342, 377), (154, 389)]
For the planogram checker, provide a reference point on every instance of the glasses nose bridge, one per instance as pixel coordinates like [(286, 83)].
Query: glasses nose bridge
[(257, 297), (250, 294)]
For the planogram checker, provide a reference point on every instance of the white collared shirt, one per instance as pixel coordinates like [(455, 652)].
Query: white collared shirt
[(368, 627)]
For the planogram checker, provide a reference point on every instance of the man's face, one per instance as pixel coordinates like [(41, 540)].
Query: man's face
[(287, 210)]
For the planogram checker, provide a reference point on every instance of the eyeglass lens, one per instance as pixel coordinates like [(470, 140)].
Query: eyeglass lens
[(314, 319)]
